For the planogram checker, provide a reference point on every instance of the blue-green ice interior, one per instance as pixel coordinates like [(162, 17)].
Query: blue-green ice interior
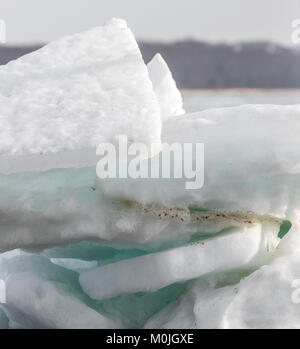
[(43, 189)]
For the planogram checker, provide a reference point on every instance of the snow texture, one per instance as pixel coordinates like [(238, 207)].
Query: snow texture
[(168, 95), (251, 162), (72, 95)]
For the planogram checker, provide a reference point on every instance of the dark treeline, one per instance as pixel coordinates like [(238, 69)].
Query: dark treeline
[(8, 53), (201, 65)]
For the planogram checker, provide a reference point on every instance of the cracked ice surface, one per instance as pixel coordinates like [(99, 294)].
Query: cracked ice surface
[(79, 252)]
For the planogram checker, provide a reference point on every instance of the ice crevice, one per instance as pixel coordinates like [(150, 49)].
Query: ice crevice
[(262, 299), (148, 273)]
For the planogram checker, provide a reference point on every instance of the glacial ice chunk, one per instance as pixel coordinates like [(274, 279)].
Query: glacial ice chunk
[(251, 162), (156, 237), (267, 298), (58, 103), (241, 249), (58, 207), (37, 303), (168, 95)]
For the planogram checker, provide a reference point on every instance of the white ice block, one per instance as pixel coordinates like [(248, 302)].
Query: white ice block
[(37, 303), (168, 95), (58, 103), (245, 248), (251, 162), (267, 298)]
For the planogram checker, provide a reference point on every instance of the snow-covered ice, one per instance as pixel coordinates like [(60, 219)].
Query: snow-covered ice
[(168, 95), (41, 304), (261, 174), (82, 252), (59, 103)]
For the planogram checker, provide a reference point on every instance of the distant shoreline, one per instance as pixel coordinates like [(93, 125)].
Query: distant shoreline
[(201, 66), (240, 90)]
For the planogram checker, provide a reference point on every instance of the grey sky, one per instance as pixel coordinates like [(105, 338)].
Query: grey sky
[(29, 21)]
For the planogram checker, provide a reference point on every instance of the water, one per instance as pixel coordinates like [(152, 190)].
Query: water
[(196, 100)]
